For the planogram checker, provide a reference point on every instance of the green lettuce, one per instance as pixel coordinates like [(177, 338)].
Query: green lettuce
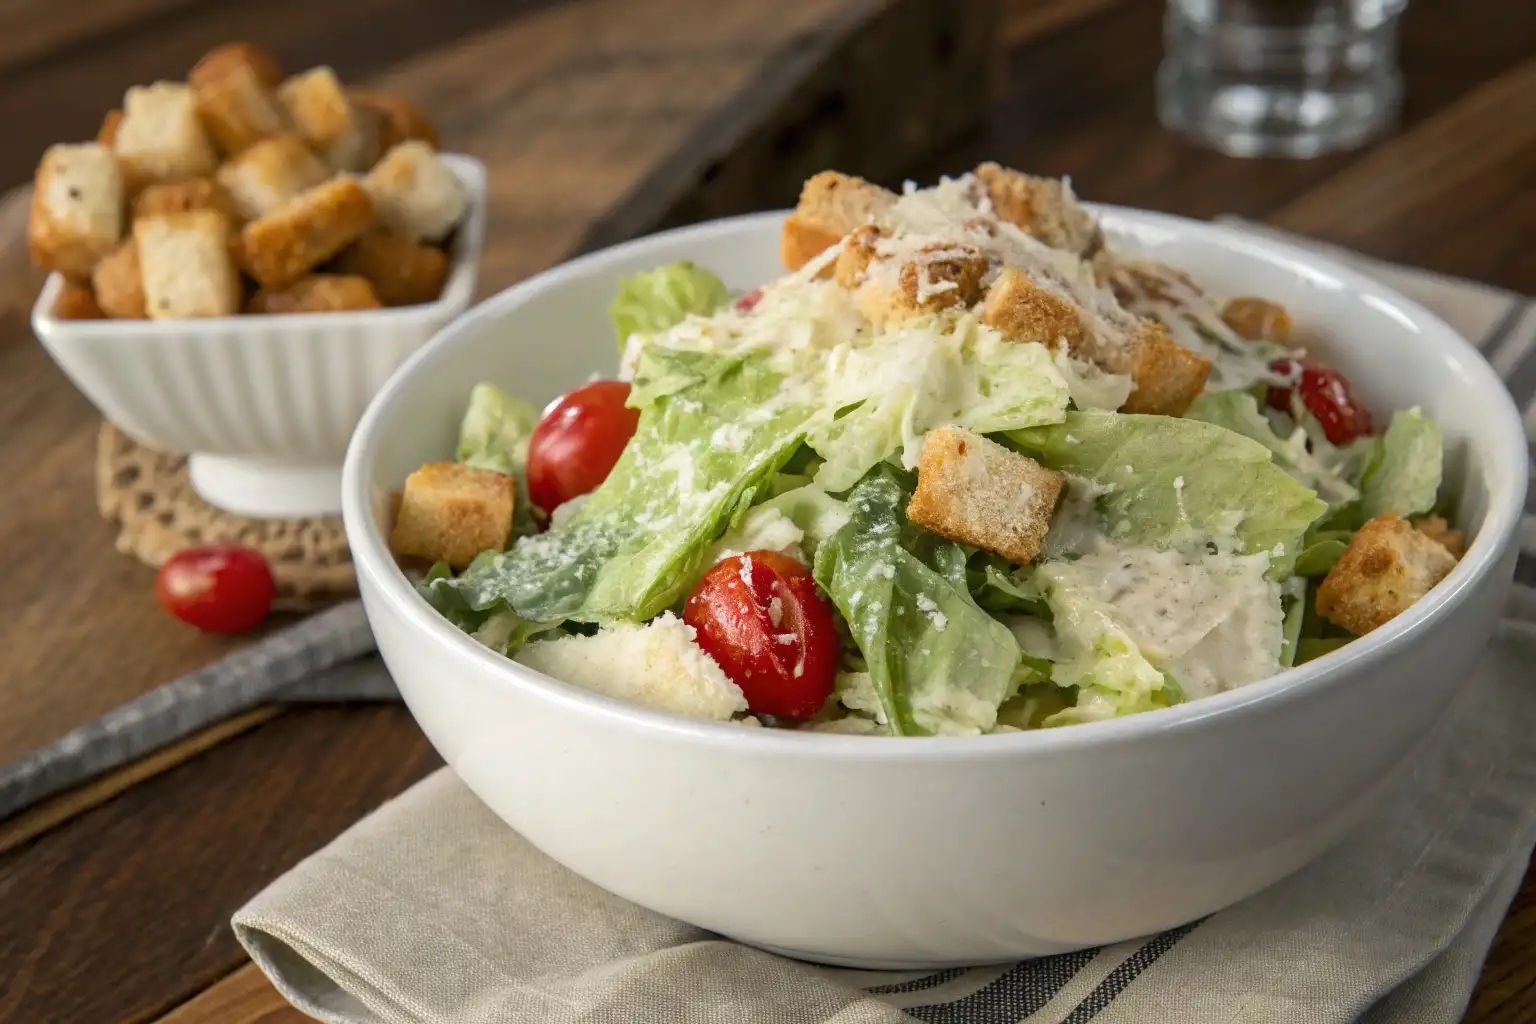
[(935, 662), (494, 435), (1098, 657), (655, 300), (1403, 473), (1238, 411), (1168, 482)]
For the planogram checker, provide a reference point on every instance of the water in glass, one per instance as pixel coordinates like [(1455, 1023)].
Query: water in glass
[(1280, 77)]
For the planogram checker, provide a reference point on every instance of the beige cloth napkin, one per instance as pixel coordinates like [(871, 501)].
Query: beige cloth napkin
[(431, 911)]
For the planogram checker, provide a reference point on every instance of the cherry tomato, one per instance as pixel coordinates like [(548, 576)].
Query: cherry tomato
[(1327, 395), (222, 588), (575, 445), (747, 302), (760, 616)]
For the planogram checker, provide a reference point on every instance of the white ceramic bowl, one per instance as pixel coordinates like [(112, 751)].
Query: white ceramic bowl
[(264, 405), (923, 852)]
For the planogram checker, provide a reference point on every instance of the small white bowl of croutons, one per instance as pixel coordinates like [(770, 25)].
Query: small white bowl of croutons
[(241, 260)]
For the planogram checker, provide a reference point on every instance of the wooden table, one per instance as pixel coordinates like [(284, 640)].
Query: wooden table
[(114, 901)]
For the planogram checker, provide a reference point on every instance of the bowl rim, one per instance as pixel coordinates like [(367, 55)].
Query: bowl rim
[(457, 294), (1506, 493)]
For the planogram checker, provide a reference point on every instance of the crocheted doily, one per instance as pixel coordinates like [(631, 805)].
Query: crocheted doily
[(149, 497)]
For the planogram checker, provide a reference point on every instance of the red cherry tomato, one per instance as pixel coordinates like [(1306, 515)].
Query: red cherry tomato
[(760, 616), (575, 445), (1327, 394), (747, 302), (223, 588)]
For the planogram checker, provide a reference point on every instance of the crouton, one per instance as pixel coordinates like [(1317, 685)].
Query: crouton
[(161, 137), (400, 119), (1437, 529), (1386, 568), (857, 254), (402, 272), (107, 133), (231, 58), (1042, 207), (76, 215), (119, 284), (831, 205), (450, 512), (1024, 311), (1167, 376), (1258, 319), (239, 111), (936, 277), (977, 492), (292, 240), (75, 302), (318, 293), (185, 263), (269, 174), (416, 195), (319, 107), (181, 196)]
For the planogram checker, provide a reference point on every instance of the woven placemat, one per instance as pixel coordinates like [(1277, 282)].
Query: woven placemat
[(149, 497)]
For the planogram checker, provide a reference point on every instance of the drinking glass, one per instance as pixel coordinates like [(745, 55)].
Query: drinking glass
[(1290, 78)]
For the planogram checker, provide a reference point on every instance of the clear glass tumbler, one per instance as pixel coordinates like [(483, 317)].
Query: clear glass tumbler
[(1280, 77)]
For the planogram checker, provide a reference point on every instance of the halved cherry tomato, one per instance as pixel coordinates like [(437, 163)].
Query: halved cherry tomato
[(575, 445), (746, 303), (1327, 395), (222, 588), (760, 616)]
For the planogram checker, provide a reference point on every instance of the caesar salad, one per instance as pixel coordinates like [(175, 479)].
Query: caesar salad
[(964, 469)]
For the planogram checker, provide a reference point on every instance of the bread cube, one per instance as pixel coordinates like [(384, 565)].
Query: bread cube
[(1258, 319), (181, 196), (318, 106), (222, 61), (186, 266), (1042, 207), (161, 137), (416, 195), (119, 283), (269, 174), (402, 272), (831, 206), (318, 293), (239, 111), (975, 491), (75, 302), (1168, 377), (1024, 311), (292, 240), (76, 215), (1386, 568), (399, 118), (1437, 529), (450, 513)]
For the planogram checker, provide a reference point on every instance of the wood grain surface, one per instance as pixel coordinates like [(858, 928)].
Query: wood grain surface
[(121, 913)]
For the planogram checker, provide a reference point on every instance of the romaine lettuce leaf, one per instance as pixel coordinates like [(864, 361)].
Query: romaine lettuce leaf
[(936, 663), (1239, 412), (1169, 482), (1403, 474), (654, 300), (494, 435), (638, 542)]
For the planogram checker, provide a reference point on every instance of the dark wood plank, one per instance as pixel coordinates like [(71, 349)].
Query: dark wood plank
[(34, 30), (244, 997), (123, 913)]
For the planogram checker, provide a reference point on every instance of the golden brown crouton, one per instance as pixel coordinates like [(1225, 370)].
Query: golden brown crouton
[(402, 272), (107, 133), (222, 61), (292, 240), (1450, 538), (401, 119), (1167, 376), (1258, 319), (77, 208), (936, 278), (977, 492), (1024, 311), (270, 173), (181, 196), (75, 302), (318, 105), (831, 205), (857, 254), (119, 284), (161, 137), (450, 513), (1386, 568), (415, 193), (185, 262), (1042, 207), (239, 111), (318, 293)]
